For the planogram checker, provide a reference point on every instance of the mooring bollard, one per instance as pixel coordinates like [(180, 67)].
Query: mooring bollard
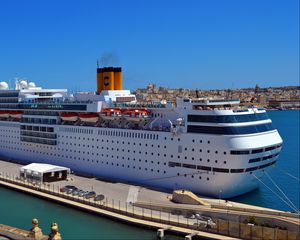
[(188, 237), (160, 233)]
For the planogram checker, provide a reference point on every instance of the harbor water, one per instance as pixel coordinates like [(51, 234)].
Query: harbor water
[(17, 209)]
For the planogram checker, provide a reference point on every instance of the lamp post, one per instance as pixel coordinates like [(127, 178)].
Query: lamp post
[(220, 192)]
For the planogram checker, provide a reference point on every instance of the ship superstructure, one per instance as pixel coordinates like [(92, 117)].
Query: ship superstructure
[(212, 147)]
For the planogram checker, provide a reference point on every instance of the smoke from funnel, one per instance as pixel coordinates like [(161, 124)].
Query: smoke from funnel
[(108, 59)]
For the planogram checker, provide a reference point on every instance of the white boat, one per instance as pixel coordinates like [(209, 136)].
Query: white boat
[(111, 114), (89, 117), (4, 114), (69, 117), (136, 115), (16, 114)]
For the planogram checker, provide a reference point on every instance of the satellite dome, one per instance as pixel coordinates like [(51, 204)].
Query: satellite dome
[(23, 84), (31, 85), (3, 86)]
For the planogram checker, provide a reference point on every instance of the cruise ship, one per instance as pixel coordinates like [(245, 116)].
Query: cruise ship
[(213, 147)]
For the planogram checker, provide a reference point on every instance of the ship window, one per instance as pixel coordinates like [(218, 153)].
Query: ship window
[(228, 118), (270, 148), (251, 169), (231, 130), (239, 152), (266, 165), (189, 166), (203, 168), (254, 160), (257, 150), (221, 170), (174, 164)]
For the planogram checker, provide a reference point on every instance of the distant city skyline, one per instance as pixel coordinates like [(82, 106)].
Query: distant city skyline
[(176, 44)]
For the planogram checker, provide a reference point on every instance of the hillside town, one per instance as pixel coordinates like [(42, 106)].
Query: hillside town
[(272, 97)]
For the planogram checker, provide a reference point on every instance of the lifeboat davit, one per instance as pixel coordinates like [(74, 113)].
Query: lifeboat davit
[(136, 115), (70, 117), (16, 114), (4, 114), (111, 114), (89, 117)]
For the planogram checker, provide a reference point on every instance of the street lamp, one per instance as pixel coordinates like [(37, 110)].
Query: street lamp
[(220, 191)]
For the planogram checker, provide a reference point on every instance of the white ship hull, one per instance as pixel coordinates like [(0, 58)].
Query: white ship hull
[(142, 157), (16, 115), (5, 115), (69, 119), (89, 120)]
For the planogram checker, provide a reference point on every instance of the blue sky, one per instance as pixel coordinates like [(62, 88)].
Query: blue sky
[(205, 44)]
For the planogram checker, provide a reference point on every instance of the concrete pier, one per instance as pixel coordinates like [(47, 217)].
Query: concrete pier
[(153, 209)]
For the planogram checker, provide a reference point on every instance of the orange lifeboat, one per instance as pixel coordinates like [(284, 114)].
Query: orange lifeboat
[(111, 114), (136, 115), (4, 114), (16, 114), (89, 117), (70, 117)]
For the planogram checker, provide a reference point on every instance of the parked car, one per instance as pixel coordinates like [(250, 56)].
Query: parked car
[(83, 193), (99, 197), (65, 188), (204, 218), (70, 190), (76, 192), (80, 192), (91, 194)]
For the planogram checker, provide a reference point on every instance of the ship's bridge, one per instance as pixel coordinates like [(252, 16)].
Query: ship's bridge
[(222, 117)]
